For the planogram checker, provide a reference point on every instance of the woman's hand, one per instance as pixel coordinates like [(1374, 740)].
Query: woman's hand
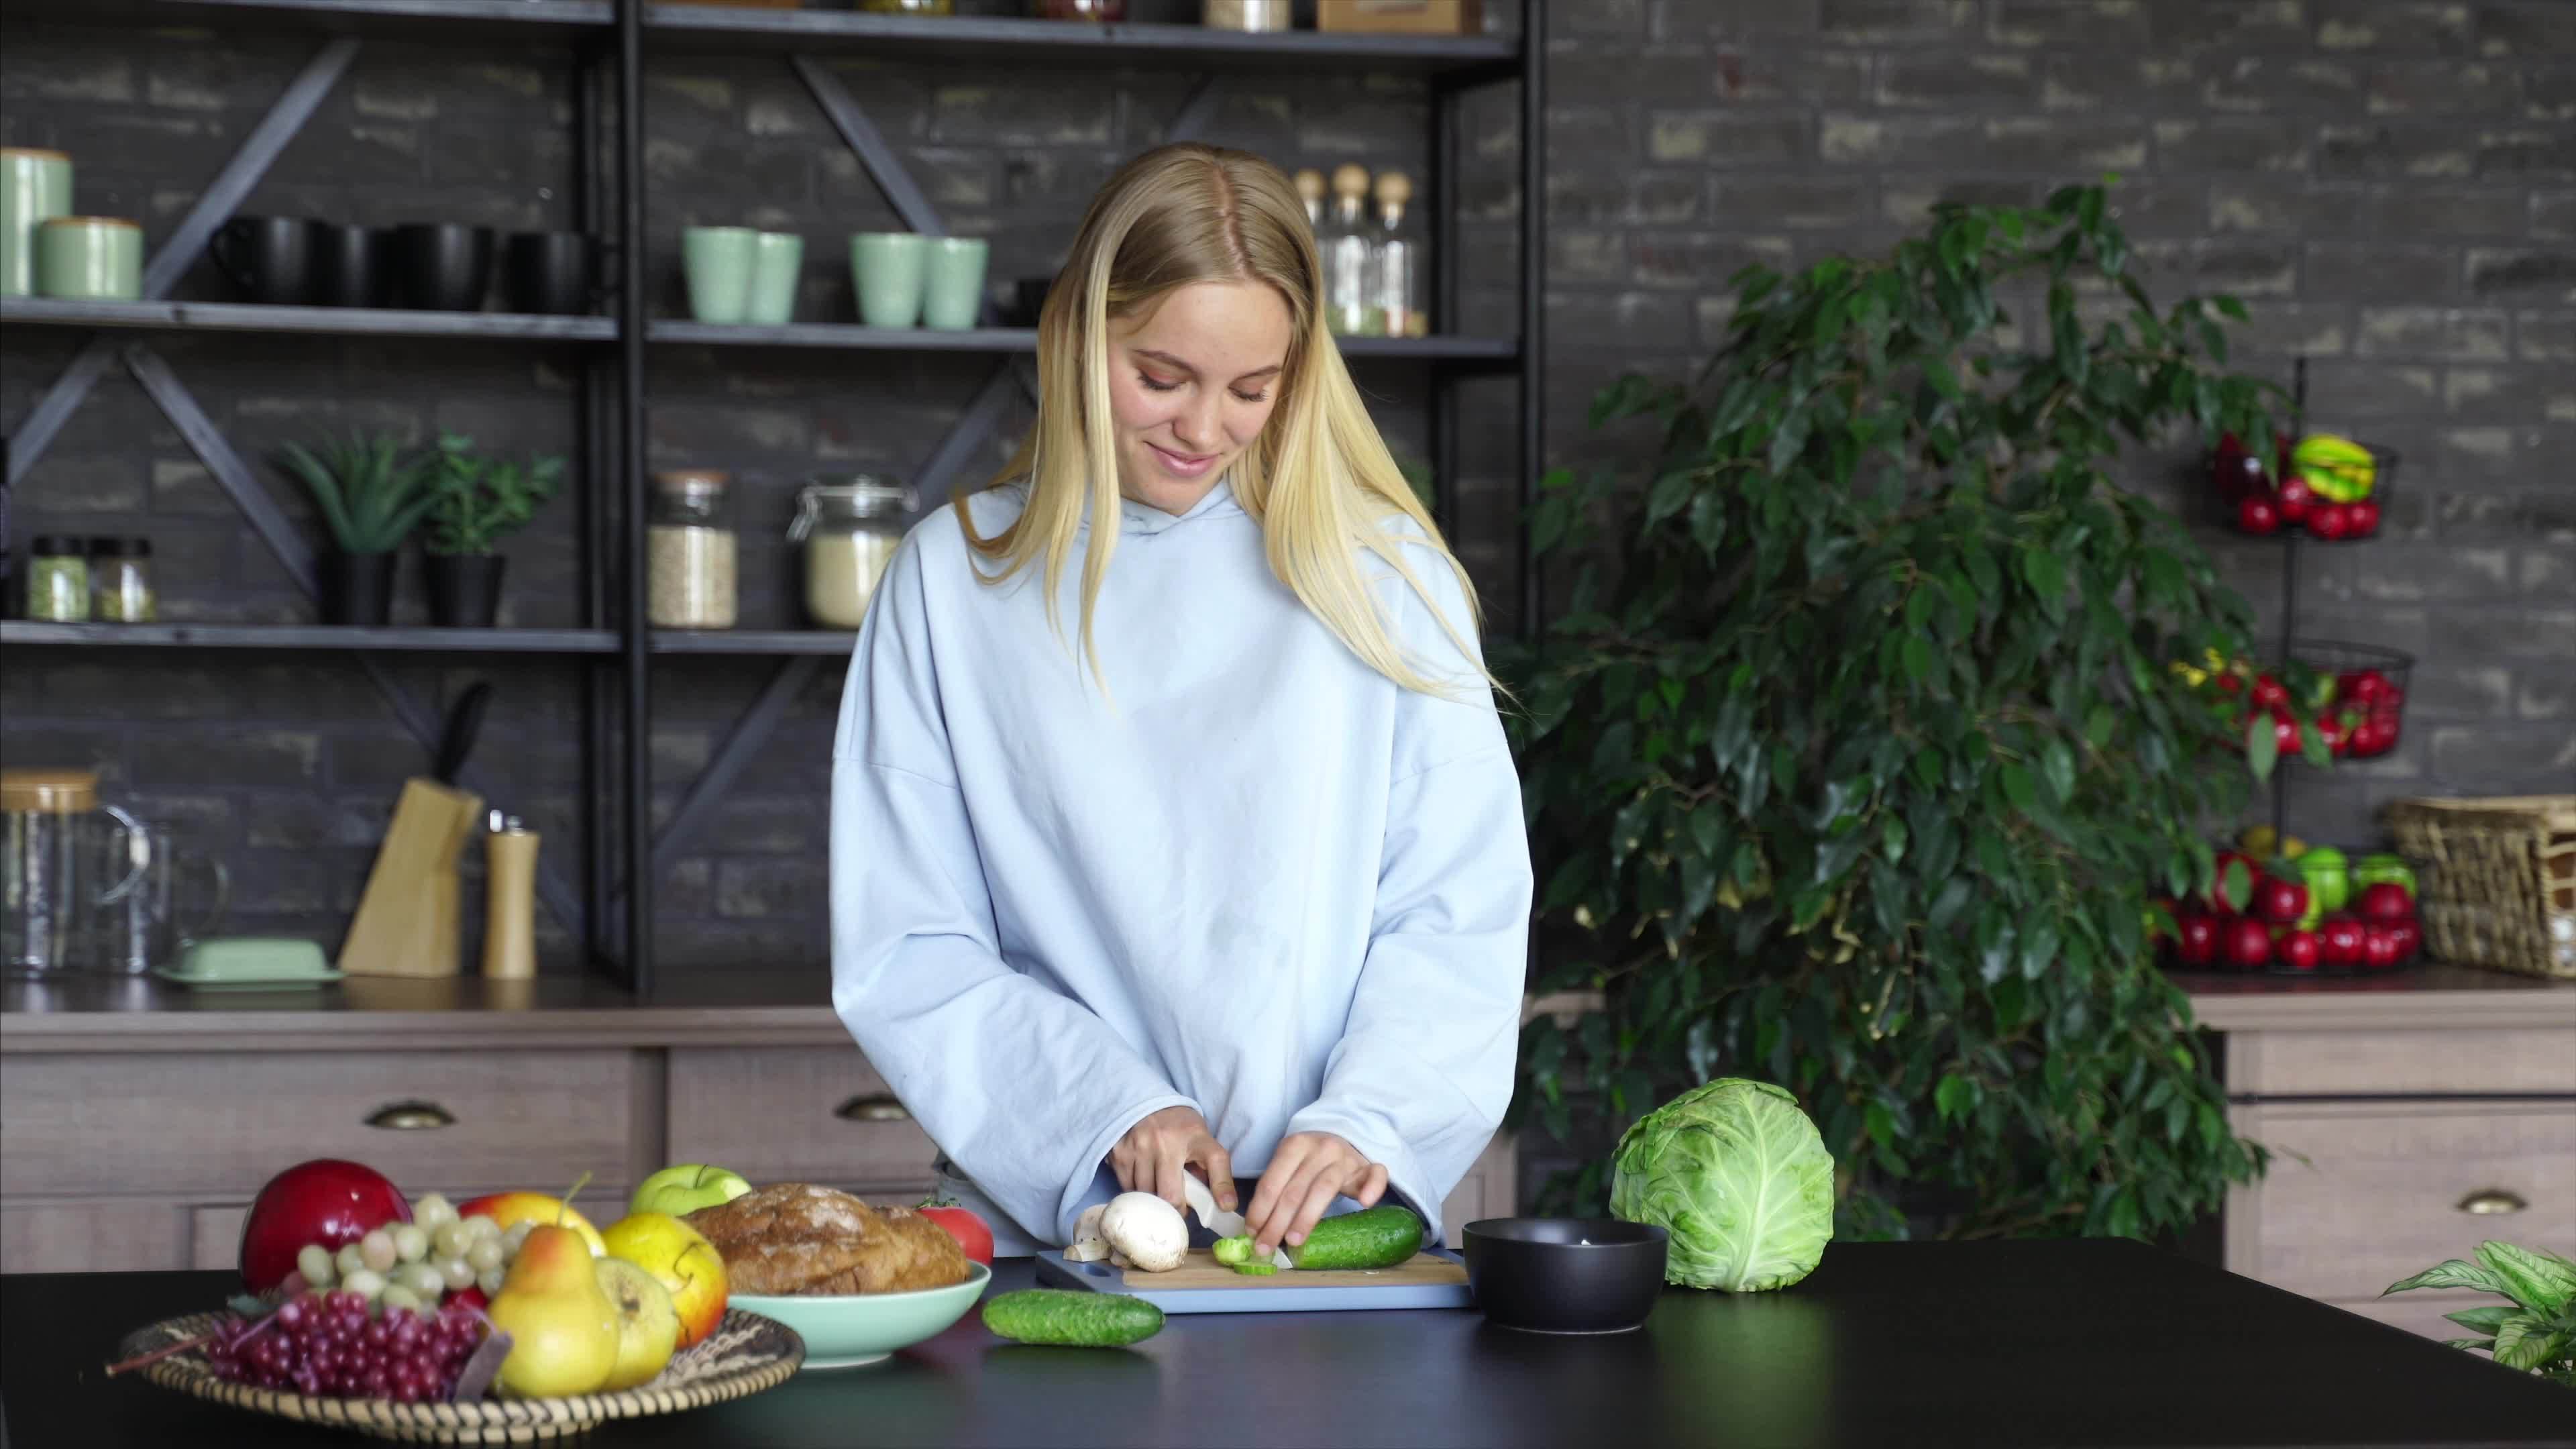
[(1308, 1171), (1157, 1151)]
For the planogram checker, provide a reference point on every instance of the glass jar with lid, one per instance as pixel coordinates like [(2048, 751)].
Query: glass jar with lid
[(691, 552), (58, 579), (120, 580), (850, 525)]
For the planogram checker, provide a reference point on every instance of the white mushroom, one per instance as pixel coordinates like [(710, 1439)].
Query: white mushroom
[(1149, 1232), (1088, 1246)]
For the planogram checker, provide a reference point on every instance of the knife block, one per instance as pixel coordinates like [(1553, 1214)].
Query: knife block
[(407, 922)]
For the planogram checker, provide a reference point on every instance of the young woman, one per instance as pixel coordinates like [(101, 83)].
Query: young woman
[(1173, 828)]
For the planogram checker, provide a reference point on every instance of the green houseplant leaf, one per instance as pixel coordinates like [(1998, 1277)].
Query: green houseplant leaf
[(1934, 744), (2454, 1273), (2537, 1331), (369, 494), (475, 501), (2540, 1281)]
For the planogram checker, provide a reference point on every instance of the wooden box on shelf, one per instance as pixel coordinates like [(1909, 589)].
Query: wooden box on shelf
[(1402, 17)]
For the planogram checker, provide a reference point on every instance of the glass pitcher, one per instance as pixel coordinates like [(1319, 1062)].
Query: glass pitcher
[(55, 864), (139, 923)]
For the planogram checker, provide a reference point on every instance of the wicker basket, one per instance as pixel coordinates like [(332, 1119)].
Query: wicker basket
[(2506, 894)]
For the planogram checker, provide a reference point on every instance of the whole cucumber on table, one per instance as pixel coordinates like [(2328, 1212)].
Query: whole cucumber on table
[(1077, 1320), (1378, 1237)]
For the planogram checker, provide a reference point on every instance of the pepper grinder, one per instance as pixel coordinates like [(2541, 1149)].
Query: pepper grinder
[(509, 907), (1310, 189)]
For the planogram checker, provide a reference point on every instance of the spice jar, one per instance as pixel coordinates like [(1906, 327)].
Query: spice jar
[(850, 526), (58, 579), (1246, 14), (1081, 9), (690, 552), (120, 580)]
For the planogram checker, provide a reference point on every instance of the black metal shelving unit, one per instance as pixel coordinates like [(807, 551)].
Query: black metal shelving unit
[(622, 854)]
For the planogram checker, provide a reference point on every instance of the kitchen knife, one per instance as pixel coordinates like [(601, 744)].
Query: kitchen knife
[(464, 724)]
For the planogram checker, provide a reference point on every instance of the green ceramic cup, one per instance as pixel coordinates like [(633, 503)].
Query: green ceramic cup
[(953, 297), (776, 265), (889, 269), (34, 186), (719, 261), (89, 258)]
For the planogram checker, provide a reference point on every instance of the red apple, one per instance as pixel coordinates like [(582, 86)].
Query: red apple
[(2269, 694), (2298, 950), (2378, 948), (2339, 941), (2294, 498), (2249, 943), (2280, 901), (2198, 943), (2372, 737), (2361, 686), (2257, 513), (2236, 471), (2384, 903), (2410, 937), (2363, 518), (2329, 521), (2336, 732), (326, 1201)]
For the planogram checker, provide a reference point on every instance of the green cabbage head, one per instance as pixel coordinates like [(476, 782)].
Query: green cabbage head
[(1738, 1176)]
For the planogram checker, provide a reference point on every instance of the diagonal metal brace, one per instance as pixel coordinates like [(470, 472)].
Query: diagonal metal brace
[(221, 199), (887, 169), (275, 530), (1191, 121), (977, 424), (749, 734)]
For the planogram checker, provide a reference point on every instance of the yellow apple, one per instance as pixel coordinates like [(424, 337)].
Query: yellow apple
[(510, 1208), (648, 1327), (682, 1259)]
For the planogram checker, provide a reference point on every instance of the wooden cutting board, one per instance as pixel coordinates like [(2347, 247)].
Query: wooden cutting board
[(1432, 1279)]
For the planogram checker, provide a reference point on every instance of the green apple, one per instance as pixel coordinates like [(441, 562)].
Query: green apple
[(2328, 874), (685, 1188)]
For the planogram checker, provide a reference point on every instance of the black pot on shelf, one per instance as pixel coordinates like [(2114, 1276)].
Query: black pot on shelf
[(442, 266), (464, 590), (549, 273), (357, 588), (349, 266)]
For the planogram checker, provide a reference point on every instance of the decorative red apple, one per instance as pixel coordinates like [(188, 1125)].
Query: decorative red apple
[(2410, 937), (2269, 693), (2280, 901), (2339, 941), (2362, 519), (326, 1201), (2298, 950), (2379, 948), (2386, 903), (2336, 732), (2329, 521), (2372, 737), (2361, 686), (2197, 945), (2256, 513), (2294, 498), (2249, 942)]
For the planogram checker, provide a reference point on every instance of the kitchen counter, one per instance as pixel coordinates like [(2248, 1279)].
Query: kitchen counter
[(1916, 1344), (793, 1008)]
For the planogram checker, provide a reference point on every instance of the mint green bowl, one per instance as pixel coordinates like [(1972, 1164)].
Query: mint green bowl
[(844, 1330)]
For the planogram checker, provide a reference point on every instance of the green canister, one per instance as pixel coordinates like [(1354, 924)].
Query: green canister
[(34, 185)]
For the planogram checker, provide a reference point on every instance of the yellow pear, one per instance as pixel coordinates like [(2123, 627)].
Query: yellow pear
[(648, 1326), (562, 1326)]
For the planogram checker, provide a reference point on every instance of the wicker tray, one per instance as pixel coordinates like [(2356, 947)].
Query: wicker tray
[(746, 1354), (2503, 892)]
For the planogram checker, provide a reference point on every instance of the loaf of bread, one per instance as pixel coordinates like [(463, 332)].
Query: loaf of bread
[(797, 1238)]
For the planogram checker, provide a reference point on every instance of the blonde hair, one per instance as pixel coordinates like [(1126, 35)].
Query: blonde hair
[(1319, 479)]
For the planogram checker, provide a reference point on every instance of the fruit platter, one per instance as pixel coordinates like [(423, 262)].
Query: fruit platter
[(2281, 906), (2329, 487), (497, 1319)]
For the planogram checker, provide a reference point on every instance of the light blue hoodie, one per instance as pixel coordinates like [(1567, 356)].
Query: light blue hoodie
[(1258, 878)]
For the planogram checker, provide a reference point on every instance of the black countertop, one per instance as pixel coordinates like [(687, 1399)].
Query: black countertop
[(1887, 1344)]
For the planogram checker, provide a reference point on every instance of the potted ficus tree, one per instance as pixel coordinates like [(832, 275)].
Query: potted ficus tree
[(371, 495), (1858, 760), (476, 501)]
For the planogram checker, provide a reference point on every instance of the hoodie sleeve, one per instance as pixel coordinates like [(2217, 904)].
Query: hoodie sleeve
[(1424, 1068), (1023, 1087)]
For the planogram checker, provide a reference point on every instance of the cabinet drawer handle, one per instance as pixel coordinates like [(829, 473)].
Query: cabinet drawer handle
[(411, 1117), (2492, 1200), (879, 1108)]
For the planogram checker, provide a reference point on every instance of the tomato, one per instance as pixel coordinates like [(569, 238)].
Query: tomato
[(2339, 941), (2363, 518), (2248, 943), (2268, 693), (2256, 513), (2378, 948), (2294, 498), (2385, 902), (969, 1230), (2281, 901), (2198, 943), (2329, 521), (2361, 686), (2298, 950)]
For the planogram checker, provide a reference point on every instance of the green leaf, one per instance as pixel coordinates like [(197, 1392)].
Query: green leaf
[(2057, 767), (2098, 726), (2470, 1343), (2484, 1320), (2542, 1282), (2045, 575), (1954, 1096), (2453, 1273), (2262, 748), (1918, 657), (2525, 1342), (2018, 788)]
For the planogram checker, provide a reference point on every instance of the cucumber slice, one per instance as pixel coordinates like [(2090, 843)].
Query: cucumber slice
[(1379, 1237), (1076, 1320)]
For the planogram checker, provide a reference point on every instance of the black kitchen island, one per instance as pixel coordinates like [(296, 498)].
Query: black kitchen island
[(1987, 1344)]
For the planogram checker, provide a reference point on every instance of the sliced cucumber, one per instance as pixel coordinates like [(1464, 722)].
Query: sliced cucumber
[(1077, 1320)]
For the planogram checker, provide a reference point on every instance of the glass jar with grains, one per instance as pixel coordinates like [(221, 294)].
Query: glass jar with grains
[(849, 524), (120, 580), (690, 552)]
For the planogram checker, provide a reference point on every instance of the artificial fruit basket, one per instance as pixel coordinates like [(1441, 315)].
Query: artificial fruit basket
[(2330, 487), (2504, 879), (2352, 695), (2281, 906)]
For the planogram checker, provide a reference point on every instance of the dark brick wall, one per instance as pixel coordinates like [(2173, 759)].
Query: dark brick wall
[(2392, 186)]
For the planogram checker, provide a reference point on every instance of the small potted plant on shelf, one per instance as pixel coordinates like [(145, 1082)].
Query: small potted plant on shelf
[(370, 496), (476, 501)]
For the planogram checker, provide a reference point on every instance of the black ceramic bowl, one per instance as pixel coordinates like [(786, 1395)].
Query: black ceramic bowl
[(1565, 1275)]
